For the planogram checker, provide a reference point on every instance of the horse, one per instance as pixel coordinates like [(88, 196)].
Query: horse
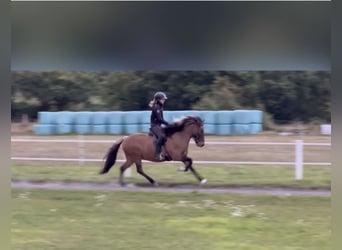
[(140, 146)]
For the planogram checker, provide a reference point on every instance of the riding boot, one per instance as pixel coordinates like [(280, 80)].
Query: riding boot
[(159, 155)]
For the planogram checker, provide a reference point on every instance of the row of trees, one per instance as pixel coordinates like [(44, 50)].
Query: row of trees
[(286, 96)]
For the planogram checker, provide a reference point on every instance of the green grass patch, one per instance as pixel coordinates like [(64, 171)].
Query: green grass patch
[(224, 176), (88, 220)]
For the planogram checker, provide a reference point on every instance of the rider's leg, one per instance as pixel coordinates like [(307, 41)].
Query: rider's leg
[(159, 156), (160, 140)]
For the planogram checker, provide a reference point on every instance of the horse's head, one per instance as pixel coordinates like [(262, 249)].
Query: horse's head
[(198, 131), (193, 125)]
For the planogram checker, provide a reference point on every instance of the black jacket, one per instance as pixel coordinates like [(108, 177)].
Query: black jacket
[(157, 118)]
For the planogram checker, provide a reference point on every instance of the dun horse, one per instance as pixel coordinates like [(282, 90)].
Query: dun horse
[(140, 146)]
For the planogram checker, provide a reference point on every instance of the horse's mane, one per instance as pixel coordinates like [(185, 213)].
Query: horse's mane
[(182, 123)]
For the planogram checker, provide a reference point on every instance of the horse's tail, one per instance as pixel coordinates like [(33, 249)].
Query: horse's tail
[(111, 156)]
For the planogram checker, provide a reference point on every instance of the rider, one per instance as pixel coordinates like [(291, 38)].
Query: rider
[(157, 120)]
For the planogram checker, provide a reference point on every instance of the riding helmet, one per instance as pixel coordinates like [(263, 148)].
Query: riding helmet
[(160, 95)]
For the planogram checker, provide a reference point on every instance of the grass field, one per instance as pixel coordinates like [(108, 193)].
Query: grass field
[(168, 174), (120, 220), (88, 220)]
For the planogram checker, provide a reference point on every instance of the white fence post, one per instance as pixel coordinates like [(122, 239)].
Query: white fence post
[(299, 160), (80, 149)]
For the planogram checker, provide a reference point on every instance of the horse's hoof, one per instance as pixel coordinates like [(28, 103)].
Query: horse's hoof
[(182, 169), (121, 183), (102, 172), (155, 184), (203, 181)]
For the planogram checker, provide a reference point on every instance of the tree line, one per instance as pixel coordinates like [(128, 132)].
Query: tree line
[(284, 96)]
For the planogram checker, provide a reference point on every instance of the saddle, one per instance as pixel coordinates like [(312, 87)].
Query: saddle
[(167, 157)]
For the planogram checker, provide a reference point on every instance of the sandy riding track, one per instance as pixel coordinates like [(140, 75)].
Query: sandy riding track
[(164, 188)]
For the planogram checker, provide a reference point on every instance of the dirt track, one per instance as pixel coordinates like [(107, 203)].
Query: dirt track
[(161, 188)]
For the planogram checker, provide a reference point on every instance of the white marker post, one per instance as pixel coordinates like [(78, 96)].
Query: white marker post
[(299, 160), (81, 149)]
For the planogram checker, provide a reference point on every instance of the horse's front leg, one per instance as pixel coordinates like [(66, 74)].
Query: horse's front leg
[(188, 165)]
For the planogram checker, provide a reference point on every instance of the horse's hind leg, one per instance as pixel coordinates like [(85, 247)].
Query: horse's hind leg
[(141, 171), (188, 165), (123, 167)]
